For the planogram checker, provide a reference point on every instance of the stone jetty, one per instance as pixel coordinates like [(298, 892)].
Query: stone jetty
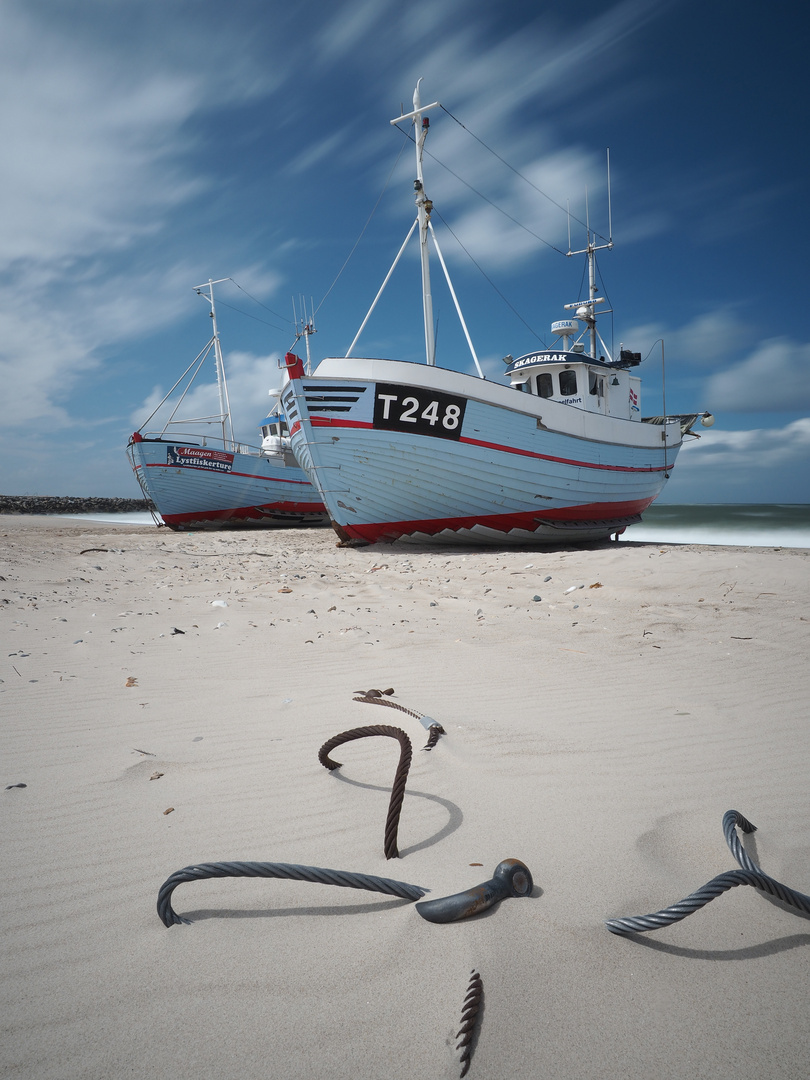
[(68, 504)]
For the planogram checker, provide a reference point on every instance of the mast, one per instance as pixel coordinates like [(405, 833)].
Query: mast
[(423, 209), (585, 311), (307, 324), (222, 384)]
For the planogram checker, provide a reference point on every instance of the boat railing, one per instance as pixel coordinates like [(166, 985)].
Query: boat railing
[(196, 439), (686, 420)]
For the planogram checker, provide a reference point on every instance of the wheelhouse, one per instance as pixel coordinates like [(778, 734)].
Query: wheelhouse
[(573, 379), (275, 434)]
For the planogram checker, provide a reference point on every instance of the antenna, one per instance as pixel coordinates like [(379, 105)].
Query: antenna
[(610, 215), (568, 207), (307, 326)]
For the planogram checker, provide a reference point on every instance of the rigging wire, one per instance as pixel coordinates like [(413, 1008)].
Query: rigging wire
[(603, 290), (255, 301), (517, 172), (264, 322), (362, 232), (486, 199), (486, 277)]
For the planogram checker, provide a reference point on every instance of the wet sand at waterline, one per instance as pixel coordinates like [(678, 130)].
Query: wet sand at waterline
[(164, 698)]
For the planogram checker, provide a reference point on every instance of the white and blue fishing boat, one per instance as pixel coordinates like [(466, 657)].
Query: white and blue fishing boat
[(195, 478), (560, 454)]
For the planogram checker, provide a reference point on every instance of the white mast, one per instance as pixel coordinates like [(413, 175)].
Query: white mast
[(585, 311), (307, 328), (222, 385), (423, 209)]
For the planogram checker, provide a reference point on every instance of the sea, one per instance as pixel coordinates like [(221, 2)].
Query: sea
[(735, 524)]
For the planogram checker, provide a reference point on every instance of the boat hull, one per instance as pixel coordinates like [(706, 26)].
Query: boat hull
[(197, 486), (400, 450)]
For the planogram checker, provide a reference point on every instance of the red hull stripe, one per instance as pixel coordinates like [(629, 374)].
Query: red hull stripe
[(531, 520), (502, 523), (318, 421), (248, 513), (247, 476)]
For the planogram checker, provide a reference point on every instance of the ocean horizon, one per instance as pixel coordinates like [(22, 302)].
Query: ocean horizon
[(724, 524)]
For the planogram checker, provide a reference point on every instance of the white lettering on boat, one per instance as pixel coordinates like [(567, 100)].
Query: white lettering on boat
[(419, 410)]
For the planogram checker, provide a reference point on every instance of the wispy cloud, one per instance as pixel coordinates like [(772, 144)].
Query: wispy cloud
[(756, 465), (250, 379), (96, 136), (757, 449), (775, 377), (702, 343)]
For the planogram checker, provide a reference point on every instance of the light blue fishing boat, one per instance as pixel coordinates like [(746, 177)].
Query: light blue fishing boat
[(408, 450), (196, 478)]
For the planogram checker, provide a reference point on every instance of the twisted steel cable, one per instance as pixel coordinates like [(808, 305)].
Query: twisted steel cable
[(435, 732), (292, 871), (377, 697), (750, 874), (731, 819), (401, 775), (469, 1019), (374, 697)]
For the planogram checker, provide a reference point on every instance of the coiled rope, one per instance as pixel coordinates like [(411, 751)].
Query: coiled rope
[(292, 871), (401, 775), (750, 874)]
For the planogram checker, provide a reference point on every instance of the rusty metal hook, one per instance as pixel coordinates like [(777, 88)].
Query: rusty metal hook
[(511, 878)]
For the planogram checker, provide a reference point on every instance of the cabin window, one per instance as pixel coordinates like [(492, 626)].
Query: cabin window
[(596, 384), (568, 383), (545, 385)]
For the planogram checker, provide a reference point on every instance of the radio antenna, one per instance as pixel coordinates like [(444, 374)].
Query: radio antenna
[(568, 205)]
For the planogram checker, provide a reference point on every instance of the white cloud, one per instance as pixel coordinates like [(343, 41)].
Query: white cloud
[(754, 450), (95, 137), (496, 239), (250, 379), (775, 377), (756, 465), (702, 342), (350, 25), (93, 129)]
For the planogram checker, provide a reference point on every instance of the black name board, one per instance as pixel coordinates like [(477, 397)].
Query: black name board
[(418, 409)]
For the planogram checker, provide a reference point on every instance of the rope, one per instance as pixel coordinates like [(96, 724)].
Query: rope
[(750, 874), (401, 775), (292, 871)]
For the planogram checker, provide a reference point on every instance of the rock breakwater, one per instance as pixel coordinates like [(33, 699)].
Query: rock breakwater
[(67, 504)]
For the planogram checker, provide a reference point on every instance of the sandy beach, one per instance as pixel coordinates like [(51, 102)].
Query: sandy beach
[(164, 697)]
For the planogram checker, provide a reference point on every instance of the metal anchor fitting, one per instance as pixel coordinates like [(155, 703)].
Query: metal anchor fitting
[(511, 878)]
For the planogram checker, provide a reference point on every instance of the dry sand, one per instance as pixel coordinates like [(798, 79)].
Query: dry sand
[(597, 734)]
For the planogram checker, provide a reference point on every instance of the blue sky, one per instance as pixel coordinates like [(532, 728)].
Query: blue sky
[(149, 145)]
